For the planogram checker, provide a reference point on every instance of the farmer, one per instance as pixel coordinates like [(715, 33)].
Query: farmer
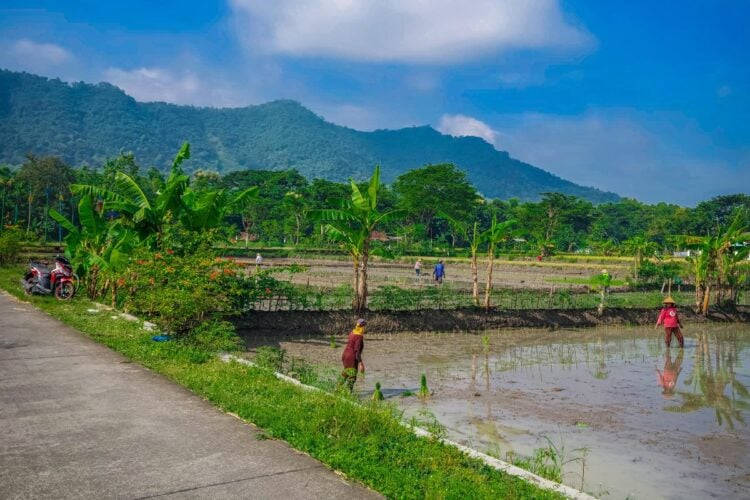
[(352, 356), (418, 267), (671, 320), (258, 259), (667, 379), (439, 272)]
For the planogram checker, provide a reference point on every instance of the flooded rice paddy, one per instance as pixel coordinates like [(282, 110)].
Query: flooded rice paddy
[(631, 418)]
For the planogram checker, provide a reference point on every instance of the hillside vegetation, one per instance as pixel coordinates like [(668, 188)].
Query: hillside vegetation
[(86, 124)]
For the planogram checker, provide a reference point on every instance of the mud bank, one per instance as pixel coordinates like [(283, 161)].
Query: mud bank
[(327, 322)]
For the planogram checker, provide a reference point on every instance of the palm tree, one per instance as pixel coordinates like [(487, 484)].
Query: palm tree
[(351, 225)]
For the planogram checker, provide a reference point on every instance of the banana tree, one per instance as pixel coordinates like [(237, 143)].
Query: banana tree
[(98, 248), (497, 233), (475, 240), (717, 263), (640, 247), (175, 201), (351, 225)]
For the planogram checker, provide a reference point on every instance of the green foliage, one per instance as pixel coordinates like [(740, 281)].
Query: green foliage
[(424, 391), (377, 395), (215, 335), (270, 358), (178, 293), (10, 245)]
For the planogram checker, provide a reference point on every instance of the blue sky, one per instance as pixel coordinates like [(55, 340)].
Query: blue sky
[(647, 99)]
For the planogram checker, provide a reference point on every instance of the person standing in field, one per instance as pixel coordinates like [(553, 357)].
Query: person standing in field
[(352, 356), (439, 272), (670, 318), (418, 267)]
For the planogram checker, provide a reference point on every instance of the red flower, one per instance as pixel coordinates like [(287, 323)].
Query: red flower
[(268, 291), (170, 251)]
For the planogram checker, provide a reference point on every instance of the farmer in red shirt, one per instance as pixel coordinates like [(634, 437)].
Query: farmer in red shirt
[(352, 356), (671, 320)]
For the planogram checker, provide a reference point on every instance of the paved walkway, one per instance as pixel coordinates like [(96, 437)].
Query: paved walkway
[(78, 420)]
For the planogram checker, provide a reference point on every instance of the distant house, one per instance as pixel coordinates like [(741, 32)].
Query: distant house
[(684, 253)]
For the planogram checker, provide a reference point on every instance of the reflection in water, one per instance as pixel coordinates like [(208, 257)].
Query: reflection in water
[(667, 378), (714, 382)]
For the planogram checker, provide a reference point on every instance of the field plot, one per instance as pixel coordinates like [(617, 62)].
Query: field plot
[(526, 274), (624, 416)]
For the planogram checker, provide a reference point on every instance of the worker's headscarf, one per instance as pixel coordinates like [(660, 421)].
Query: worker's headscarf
[(359, 328)]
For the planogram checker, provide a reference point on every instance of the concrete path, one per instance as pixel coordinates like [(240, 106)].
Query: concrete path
[(79, 421)]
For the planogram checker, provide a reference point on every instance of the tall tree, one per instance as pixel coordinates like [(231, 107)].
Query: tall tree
[(423, 192)]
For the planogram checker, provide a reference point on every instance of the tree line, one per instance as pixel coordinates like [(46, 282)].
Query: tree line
[(434, 201)]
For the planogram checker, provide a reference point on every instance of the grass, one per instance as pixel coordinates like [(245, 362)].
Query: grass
[(367, 443)]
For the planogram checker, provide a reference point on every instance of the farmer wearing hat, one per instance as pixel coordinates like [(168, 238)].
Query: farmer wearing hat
[(352, 356), (671, 320)]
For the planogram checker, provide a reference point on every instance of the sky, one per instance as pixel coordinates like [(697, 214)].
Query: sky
[(650, 100)]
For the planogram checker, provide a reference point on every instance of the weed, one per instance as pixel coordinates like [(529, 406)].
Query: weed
[(333, 342), (424, 392), (271, 358), (378, 394)]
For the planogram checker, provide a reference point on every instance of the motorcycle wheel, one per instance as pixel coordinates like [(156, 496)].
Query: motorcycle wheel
[(65, 291), (27, 287)]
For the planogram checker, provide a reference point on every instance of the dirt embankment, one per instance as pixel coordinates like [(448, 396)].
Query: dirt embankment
[(326, 322)]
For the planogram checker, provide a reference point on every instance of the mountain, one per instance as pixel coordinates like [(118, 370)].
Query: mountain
[(85, 124)]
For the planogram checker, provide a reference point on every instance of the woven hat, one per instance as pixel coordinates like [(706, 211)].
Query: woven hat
[(669, 300)]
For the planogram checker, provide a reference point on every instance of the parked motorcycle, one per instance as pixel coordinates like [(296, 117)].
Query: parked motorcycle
[(59, 281)]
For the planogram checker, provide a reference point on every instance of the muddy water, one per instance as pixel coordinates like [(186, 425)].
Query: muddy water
[(634, 419)]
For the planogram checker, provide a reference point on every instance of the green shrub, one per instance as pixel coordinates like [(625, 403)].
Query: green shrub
[(271, 358), (215, 335), (10, 246)]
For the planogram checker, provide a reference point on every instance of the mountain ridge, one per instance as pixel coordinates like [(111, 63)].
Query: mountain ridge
[(87, 123)]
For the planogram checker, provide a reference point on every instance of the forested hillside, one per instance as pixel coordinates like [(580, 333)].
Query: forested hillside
[(86, 124)]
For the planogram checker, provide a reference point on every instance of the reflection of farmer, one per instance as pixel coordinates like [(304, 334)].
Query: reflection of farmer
[(671, 320), (352, 356), (439, 272), (668, 378)]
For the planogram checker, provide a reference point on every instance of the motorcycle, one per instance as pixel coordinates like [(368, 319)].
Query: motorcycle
[(59, 281)]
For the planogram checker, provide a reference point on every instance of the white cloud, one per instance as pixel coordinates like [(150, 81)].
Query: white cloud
[(651, 158), (27, 55), (159, 84), (413, 31), (460, 125), (42, 53)]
